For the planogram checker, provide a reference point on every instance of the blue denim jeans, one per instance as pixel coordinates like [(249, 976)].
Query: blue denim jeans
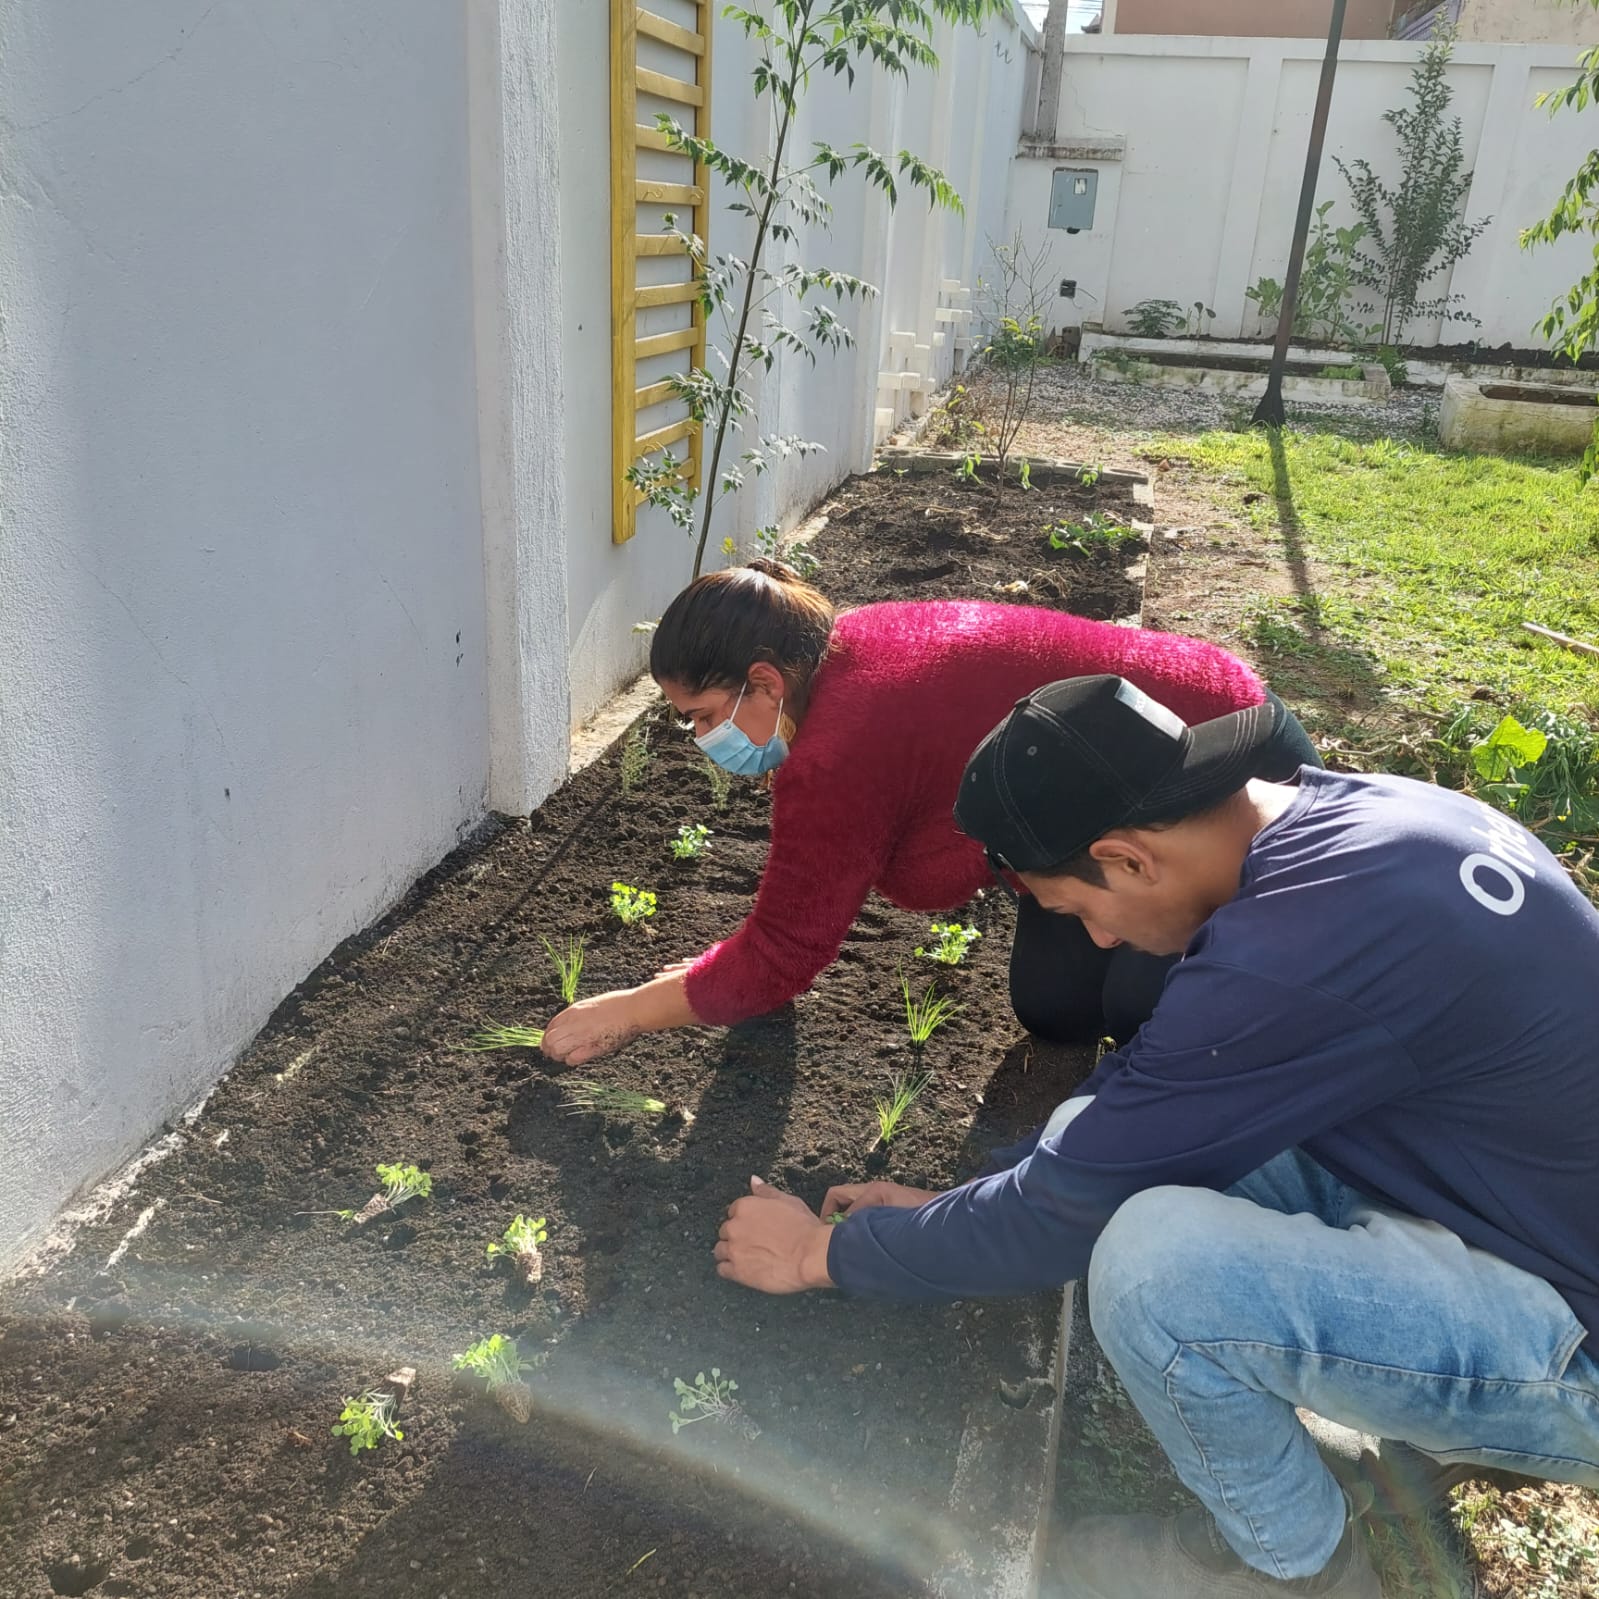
[(1222, 1313)]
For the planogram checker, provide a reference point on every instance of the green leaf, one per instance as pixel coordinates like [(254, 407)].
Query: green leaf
[(1509, 745)]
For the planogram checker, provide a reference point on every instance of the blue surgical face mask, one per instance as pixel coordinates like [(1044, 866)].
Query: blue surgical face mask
[(735, 751)]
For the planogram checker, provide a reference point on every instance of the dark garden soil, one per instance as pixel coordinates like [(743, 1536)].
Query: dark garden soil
[(931, 536), (167, 1387)]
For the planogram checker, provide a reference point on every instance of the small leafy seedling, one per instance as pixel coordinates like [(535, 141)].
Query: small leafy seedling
[(1088, 476), (1094, 532), (506, 1038), (691, 842), (568, 964), (621, 1104), (520, 1245), (635, 758), (630, 905), (836, 1218), (924, 1015), (499, 1363), (400, 1183), (954, 941), (721, 781), (367, 1420), (903, 1092), (711, 1400)]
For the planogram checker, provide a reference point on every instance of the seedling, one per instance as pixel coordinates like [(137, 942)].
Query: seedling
[(498, 1361), (520, 1245), (691, 842), (622, 1104), (400, 1183), (368, 1419), (721, 781), (1088, 476), (630, 905), (967, 470), (1094, 532), (903, 1092), (730, 551), (925, 1015), (953, 943), (635, 758), (568, 965), (506, 1038), (711, 1400), (836, 1218)]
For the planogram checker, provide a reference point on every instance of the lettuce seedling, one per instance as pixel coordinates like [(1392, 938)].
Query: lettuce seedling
[(568, 965), (924, 1016), (499, 1363), (506, 1038), (520, 1245), (367, 1420), (953, 943), (630, 905), (691, 841), (903, 1092), (400, 1183), (711, 1400), (1094, 532)]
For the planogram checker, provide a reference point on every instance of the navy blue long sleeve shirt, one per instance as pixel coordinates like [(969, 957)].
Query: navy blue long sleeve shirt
[(1406, 986)]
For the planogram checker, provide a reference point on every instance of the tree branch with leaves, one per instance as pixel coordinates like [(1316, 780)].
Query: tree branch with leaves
[(766, 311)]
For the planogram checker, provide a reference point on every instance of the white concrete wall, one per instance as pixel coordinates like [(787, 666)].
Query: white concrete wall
[(1201, 202), (242, 612), (1529, 22)]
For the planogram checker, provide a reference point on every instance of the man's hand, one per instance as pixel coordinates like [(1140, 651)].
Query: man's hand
[(772, 1242), (593, 1027), (851, 1197)]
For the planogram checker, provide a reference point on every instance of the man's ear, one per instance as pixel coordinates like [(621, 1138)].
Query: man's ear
[(768, 679), (1125, 855)]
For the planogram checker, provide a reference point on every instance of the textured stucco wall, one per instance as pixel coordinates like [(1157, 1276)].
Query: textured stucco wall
[(1529, 22), (242, 690), (1273, 19)]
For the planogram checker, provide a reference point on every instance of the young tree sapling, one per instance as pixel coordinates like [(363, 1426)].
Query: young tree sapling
[(499, 1363), (630, 905), (711, 1400), (520, 1245), (954, 942)]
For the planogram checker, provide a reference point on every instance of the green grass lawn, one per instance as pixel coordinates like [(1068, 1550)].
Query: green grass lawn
[(1442, 558)]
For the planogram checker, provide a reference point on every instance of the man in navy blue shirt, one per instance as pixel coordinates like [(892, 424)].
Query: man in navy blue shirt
[(1348, 1166)]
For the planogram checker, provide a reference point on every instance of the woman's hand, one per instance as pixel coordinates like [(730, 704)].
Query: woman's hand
[(851, 1197), (594, 1027)]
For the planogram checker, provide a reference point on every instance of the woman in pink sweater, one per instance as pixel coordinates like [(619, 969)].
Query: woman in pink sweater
[(868, 719)]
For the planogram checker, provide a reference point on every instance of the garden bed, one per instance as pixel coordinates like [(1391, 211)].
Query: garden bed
[(168, 1385)]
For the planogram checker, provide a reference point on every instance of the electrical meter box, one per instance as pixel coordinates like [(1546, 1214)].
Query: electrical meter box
[(1071, 198)]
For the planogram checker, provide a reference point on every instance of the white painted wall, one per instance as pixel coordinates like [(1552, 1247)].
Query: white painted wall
[(1201, 203), (242, 611)]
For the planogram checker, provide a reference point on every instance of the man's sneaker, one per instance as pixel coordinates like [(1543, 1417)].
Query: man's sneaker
[(1185, 1557)]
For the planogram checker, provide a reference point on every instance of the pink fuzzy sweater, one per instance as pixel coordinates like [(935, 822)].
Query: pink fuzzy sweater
[(906, 693)]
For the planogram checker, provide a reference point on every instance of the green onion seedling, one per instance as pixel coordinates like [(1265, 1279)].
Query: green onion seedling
[(621, 1104), (635, 758), (953, 943), (520, 1245), (506, 1038), (925, 1015), (499, 1363), (711, 1400), (903, 1092), (691, 841), (568, 965), (367, 1420), (630, 905)]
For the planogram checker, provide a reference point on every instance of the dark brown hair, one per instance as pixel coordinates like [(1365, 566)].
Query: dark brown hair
[(725, 621)]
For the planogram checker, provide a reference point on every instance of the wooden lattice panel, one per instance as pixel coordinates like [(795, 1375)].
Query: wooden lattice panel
[(657, 65)]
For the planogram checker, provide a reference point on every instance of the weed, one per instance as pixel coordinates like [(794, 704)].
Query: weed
[(954, 941), (367, 1420), (1393, 363), (721, 781), (960, 423), (691, 841), (499, 1363), (506, 1038), (568, 965), (924, 1016), (635, 758), (1096, 531), (622, 1104), (1555, 1555), (630, 905), (903, 1092), (710, 1400), (520, 1245)]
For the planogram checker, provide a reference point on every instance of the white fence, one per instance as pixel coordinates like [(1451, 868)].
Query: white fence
[(1199, 146)]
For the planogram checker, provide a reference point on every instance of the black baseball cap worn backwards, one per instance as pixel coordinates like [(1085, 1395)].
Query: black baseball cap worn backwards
[(1075, 759)]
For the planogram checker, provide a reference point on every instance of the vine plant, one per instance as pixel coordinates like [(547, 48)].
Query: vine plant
[(769, 309)]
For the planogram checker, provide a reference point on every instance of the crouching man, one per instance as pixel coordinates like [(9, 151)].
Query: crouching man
[(1351, 1164)]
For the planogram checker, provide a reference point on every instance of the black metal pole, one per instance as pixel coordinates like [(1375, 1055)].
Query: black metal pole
[(1270, 410)]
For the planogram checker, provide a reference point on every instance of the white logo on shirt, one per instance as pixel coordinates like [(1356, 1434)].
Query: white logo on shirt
[(1508, 846)]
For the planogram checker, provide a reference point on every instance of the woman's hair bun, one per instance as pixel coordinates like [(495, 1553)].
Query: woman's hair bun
[(776, 570)]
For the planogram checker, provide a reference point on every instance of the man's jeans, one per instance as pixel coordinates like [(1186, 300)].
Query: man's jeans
[(1223, 1312)]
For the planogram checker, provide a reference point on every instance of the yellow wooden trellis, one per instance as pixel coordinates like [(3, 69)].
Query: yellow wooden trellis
[(690, 97)]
